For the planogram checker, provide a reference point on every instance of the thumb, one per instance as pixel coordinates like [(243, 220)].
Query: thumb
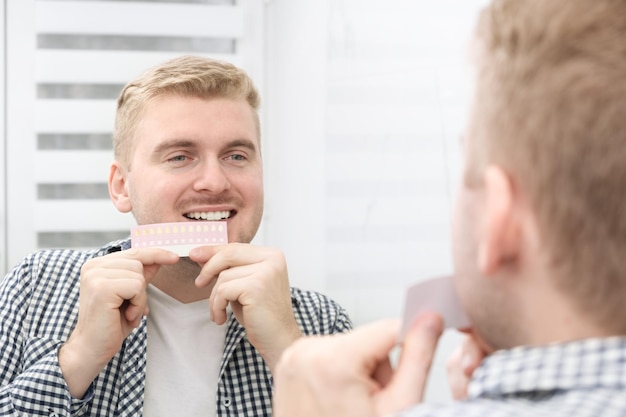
[(418, 350)]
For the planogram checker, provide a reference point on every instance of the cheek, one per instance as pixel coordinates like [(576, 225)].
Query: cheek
[(457, 221), (252, 187), (463, 236), (150, 191)]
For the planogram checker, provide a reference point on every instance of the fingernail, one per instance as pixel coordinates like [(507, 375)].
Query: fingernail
[(432, 322), (435, 323)]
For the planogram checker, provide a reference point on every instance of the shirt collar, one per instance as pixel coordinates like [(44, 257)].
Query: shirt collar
[(584, 364)]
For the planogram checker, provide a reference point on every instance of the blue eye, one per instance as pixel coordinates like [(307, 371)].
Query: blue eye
[(178, 158), (237, 157)]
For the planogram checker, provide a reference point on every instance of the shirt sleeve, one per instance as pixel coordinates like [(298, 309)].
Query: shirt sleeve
[(343, 323), (318, 314), (31, 382)]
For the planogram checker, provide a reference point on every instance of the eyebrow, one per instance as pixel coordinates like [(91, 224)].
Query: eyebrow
[(243, 143), (176, 143), (186, 143)]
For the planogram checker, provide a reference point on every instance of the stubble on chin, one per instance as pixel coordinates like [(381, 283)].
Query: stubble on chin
[(184, 270)]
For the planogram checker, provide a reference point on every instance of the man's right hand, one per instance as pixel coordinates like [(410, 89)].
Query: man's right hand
[(112, 302), (351, 375)]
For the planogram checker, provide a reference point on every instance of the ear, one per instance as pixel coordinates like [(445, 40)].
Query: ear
[(500, 237), (118, 191)]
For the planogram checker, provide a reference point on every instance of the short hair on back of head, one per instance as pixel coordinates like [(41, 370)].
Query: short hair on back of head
[(550, 107), (187, 76)]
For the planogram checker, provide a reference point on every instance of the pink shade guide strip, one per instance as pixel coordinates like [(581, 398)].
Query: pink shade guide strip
[(436, 294), (179, 237)]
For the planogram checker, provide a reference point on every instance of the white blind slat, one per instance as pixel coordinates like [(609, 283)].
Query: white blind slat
[(139, 19), (97, 66), (84, 115), (93, 215), (58, 166)]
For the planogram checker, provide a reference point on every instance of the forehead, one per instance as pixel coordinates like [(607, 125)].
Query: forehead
[(210, 120)]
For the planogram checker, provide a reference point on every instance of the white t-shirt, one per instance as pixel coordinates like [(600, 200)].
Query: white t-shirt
[(183, 360)]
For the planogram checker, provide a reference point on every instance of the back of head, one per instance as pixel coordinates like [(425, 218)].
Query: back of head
[(550, 107), (187, 76)]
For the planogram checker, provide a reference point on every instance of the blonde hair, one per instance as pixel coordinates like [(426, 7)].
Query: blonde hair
[(187, 76), (550, 107)]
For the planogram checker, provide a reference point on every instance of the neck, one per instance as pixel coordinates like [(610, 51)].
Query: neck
[(178, 281), (550, 316), (557, 321)]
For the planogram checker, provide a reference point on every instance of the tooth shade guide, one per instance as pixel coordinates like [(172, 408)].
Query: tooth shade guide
[(179, 237)]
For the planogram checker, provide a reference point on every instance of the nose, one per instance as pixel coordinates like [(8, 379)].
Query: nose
[(212, 178)]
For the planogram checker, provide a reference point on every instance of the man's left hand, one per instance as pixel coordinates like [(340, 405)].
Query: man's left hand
[(254, 281)]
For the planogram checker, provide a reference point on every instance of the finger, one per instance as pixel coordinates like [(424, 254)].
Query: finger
[(368, 346), (418, 350), (235, 255), (105, 278), (212, 265), (131, 290), (242, 272), (237, 292), (151, 259), (457, 380), (217, 305), (221, 294), (248, 285), (472, 356), (461, 366), (147, 256), (144, 261), (132, 313), (374, 340), (234, 273), (221, 257), (201, 254), (135, 302), (100, 268), (125, 296)]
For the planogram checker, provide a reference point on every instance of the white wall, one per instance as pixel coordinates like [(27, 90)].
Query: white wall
[(294, 105), (365, 103)]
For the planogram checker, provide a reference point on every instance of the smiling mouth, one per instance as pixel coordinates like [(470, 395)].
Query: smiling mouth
[(210, 215)]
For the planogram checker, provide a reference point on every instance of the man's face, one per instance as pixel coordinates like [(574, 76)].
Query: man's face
[(465, 233), (197, 159), (474, 291), (481, 293)]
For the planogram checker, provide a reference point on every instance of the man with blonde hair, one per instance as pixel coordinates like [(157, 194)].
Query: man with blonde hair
[(539, 237), (126, 331)]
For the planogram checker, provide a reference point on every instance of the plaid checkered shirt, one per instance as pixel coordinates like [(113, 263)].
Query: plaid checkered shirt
[(585, 378), (39, 308)]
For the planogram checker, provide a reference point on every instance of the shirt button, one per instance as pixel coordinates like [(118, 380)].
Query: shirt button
[(226, 402)]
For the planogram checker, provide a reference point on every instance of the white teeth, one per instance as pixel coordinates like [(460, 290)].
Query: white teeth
[(209, 215)]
